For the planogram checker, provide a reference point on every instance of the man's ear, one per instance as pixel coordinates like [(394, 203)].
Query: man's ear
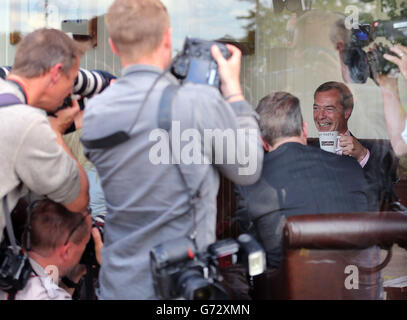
[(266, 146), (340, 46), (55, 72), (113, 47), (167, 39), (305, 129), (64, 251), (348, 112)]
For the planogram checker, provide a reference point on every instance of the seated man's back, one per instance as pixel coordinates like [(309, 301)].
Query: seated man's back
[(297, 179)]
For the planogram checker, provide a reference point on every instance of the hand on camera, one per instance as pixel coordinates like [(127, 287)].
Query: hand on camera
[(76, 273), (387, 83), (64, 118), (97, 238), (229, 72), (400, 60)]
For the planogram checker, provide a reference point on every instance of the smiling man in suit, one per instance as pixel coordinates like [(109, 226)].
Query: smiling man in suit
[(296, 179), (333, 106)]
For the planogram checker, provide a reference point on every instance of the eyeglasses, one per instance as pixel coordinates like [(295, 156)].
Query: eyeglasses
[(89, 212)]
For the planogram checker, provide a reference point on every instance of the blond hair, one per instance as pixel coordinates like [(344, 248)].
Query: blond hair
[(137, 27)]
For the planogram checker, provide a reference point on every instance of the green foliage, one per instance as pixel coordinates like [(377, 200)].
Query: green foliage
[(393, 10)]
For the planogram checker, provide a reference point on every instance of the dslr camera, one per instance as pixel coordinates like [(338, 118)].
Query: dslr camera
[(180, 271), (15, 269), (87, 84), (196, 64), (89, 255), (363, 65)]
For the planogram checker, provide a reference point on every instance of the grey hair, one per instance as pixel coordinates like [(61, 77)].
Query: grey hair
[(42, 49), (280, 116)]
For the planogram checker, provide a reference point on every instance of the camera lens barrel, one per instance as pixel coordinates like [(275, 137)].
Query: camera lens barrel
[(193, 286), (4, 71), (91, 82)]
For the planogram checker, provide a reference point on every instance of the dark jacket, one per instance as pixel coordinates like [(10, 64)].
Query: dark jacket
[(380, 171), (298, 179)]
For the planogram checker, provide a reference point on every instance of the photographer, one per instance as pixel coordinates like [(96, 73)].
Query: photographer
[(150, 202), (33, 154), (58, 239), (396, 118)]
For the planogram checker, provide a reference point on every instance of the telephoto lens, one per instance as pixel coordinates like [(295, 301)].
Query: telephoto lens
[(88, 83), (4, 71)]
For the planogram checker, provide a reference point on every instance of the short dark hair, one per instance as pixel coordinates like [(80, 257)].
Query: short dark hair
[(280, 116), (51, 224), (41, 49), (345, 95)]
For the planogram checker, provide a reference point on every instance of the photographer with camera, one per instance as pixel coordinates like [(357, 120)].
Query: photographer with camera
[(395, 115), (152, 200), (55, 239), (33, 154)]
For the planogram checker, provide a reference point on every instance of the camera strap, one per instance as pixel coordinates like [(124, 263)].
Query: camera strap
[(121, 136), (8, 99), (19, 87), (164, 119), (9, 225)]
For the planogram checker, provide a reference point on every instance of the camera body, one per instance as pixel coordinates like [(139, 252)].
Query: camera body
[(91, 82), (89, 255), (363, 65), (87, 84), (180, 271), (196, 64), (15, 270)]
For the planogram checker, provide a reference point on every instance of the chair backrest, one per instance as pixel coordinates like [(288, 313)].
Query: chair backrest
[(333, 256)]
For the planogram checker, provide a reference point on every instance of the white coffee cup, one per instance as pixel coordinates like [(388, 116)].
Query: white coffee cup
[(328, 140)]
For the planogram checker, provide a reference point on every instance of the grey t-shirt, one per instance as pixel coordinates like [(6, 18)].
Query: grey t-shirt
[(30, 157), (147, 201)]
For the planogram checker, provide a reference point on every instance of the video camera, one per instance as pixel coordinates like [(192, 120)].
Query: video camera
[(196, 64), (179, 271), (363, 65)]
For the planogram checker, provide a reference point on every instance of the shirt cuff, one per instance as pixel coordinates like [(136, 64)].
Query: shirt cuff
[(365, 159)]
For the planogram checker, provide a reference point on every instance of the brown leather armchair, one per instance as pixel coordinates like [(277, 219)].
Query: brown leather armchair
[(333, 256)]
